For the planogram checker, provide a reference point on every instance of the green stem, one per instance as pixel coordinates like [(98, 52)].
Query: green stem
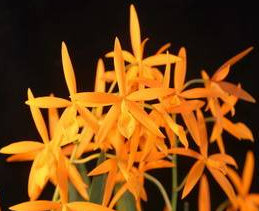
[(223, 205), (92, 157), (112, 86), (161, 188), (174, 174), (145, 105), (193, 81), (55, 195), (179, 187)]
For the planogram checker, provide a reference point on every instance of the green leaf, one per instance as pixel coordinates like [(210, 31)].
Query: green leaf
[(98, 184), (72, 192), (126, 202)]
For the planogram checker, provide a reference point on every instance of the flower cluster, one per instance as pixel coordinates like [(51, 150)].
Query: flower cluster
[(134, 121)]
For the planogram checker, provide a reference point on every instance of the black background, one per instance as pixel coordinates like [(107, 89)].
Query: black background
[(30, 40)]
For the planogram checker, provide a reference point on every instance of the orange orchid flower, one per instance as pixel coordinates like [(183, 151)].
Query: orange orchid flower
[(71, 106), (216, 82), (124, 108), (215, 163), (245, 201), (132, 178), (138, 66), (44, 155)]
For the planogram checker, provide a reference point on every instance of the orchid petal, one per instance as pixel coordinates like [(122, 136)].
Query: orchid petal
[(193, 177), (96, 99), (143, 118), (38, 120), (149, 94), (40, 205), (204, 194), (119, 67), (48, 102), (180, 70), (248, 171), (135, 36), (160, 59), (22, 147), (68, 70)]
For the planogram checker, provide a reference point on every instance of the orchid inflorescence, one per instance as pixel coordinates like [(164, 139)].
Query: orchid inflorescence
[(119, 124)]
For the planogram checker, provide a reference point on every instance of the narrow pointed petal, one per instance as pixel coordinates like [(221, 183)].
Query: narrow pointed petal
[(88, 117), (53, 121), (62, 177), (186, 106), (163, 48), (149, 94), (224, 184), (109, 186), (127, 56), (77, 181), (22, 147), (204, 195), (239, 130), (193, 177), (236, 58), (108, 122), (83, 206), (160, 59), (192, 125), (167, 75), (134, 142), (224, 158), (221, 74), (119, 67), (185, 152), (68, 70), (203, 133), (236, 91), (144, 118), (142, 47), (180, 70), (96, 99), (235, 179), (135, 36), (84, 141), (248, 171), (177, 129), (28, 156), (38, 120), (200, 93), (158, 164), (102, 168), (40, 205), (48, 102), (99, 82)]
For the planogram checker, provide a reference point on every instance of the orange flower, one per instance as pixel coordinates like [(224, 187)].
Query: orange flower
[(229, 95), (124, 108), (132, 178), (71, 106), (245, 201), (44, 155), (141, 68), (215, 163)]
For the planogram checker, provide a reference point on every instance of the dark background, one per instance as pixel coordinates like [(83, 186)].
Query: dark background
[(30, 40)]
